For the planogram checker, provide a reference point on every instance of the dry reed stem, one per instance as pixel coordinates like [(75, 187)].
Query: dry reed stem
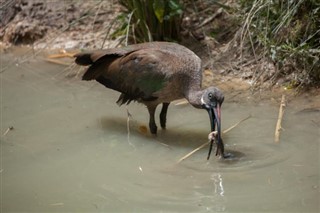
[(128, 125), (63, 54), (193, 151), (280, 116), (181, 102), (205, 144), (57, 61), (235, 125)]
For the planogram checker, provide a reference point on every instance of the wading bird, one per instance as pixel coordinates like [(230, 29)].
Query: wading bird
[(155, 73)]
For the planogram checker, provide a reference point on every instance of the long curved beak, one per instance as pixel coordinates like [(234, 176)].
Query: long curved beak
[(215, 121)]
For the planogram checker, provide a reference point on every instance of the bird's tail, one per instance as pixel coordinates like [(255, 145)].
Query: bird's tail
[(99, 61), (83, 59)]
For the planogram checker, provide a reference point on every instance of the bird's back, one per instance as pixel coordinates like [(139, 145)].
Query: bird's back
[(144, 72)]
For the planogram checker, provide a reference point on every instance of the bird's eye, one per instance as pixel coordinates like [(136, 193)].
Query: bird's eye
[(210, 95)]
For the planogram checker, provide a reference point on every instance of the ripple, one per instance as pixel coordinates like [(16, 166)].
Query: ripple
[(242, 158)]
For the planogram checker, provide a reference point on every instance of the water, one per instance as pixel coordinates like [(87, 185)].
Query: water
[(70, 151)]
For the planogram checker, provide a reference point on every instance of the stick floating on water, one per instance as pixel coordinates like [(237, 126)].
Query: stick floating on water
[(280, 116), (8, 130), (193, 151), (235, 125)]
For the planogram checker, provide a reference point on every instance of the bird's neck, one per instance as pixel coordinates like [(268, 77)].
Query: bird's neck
[(194, 97)]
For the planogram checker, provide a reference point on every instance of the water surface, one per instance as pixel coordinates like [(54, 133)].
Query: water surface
[(70, 151)]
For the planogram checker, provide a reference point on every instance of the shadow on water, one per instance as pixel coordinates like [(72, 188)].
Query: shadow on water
[(171, 137), (242, 156)]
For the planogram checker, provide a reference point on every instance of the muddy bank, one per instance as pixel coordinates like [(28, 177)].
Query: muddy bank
[(56, 24)]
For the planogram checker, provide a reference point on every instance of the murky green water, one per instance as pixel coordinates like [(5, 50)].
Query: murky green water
[(69, 151)]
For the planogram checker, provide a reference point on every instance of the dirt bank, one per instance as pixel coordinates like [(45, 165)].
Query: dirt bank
[(56, 24), (48, 26)]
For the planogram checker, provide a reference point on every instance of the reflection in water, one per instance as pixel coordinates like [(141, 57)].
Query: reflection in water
[(218, 184), (218, 193)]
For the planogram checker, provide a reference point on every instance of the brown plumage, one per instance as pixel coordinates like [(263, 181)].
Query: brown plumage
[(154, 73)]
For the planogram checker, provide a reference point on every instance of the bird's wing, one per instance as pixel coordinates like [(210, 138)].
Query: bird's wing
[(138, 74)]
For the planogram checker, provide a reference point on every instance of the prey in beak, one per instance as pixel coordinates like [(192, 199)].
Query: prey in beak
[(212, 100), (215, 121)]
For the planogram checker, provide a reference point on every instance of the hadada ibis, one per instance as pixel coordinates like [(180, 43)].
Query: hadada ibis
[(155, 73)]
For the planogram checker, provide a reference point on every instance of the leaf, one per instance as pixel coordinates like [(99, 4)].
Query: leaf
[(175, 7), (159, 7)]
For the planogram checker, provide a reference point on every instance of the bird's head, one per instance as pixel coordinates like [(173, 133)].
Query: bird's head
[(211, 100)]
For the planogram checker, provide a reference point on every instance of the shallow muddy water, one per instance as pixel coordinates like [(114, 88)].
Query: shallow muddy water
[(69, 151)]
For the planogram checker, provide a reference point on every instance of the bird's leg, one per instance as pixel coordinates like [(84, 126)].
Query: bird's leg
[(163, 115), (152, 123)]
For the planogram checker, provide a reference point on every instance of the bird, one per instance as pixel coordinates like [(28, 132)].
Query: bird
[(155, 73)]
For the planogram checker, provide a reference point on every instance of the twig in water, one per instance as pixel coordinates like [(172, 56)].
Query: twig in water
[(235, 125), (128, 124), (63, 54), (57, 61), (128, 127), (181, 102), (193, 151), (8, 130), (205, 144), (280, 116)]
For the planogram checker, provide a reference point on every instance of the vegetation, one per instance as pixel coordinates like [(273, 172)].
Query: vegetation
[(261, 40), (288, 33), (149, 20), (284, 32)]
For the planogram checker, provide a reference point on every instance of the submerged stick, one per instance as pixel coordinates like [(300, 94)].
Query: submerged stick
[(128, 125), (280, 116), (205, 144), (8, 130), (193, 151), (63, 54), (181, 102), (57, 61)]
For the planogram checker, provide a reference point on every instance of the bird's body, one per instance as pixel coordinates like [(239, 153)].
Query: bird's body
[(151, 73)]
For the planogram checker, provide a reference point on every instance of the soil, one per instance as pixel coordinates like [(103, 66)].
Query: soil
[(55, 24)]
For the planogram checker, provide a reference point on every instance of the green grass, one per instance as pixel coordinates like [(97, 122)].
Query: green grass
[(150, 20), (288, 32)]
